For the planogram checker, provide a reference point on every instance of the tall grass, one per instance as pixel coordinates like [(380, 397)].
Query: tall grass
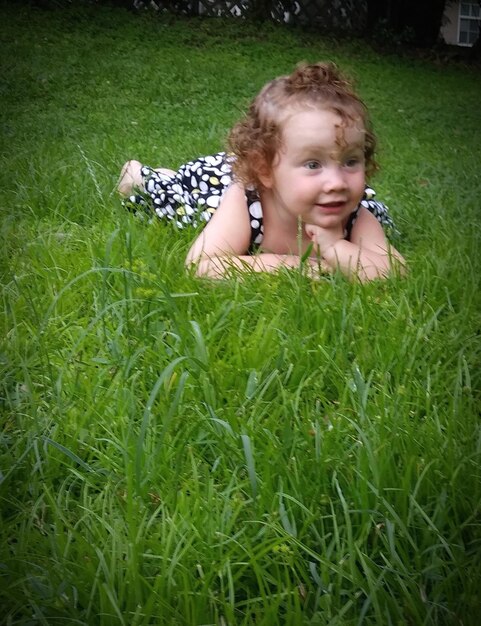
[(262, 451)]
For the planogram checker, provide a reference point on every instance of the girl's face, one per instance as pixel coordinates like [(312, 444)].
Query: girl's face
[(319, 172)]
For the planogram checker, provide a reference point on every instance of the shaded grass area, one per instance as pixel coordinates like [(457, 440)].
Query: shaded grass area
[(258, 451)]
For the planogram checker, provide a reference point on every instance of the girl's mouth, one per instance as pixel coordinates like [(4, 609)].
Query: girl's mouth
[(331, 207)]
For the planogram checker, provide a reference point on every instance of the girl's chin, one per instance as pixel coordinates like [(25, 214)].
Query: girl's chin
[(329, 215), (328, 221)]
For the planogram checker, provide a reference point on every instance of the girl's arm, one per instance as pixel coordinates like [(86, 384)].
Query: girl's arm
[(368, 255), (224, 242)]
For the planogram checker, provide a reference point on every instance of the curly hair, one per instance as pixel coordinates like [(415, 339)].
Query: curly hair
[(256, 139)]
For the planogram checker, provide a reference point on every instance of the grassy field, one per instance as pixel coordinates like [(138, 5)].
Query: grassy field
[(261, 451)]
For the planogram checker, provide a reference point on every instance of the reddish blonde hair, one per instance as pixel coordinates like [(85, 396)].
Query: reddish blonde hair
[(256, 139)]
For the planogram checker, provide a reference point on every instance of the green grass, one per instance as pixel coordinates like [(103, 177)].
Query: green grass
[(250, 452)]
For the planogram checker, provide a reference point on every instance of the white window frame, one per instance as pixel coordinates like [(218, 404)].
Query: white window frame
[(466, 17)]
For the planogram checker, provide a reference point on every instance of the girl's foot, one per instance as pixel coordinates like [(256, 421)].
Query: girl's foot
[(130, 177)]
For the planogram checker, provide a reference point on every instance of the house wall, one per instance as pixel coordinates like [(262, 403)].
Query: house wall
[(449, 29)]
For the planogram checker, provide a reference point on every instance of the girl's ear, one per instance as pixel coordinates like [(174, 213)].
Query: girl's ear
[(264, 174)]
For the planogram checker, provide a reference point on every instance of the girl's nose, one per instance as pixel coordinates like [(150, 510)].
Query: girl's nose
[(334, 179)]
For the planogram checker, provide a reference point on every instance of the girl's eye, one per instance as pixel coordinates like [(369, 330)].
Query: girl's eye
[(313, 165), (353, 161)]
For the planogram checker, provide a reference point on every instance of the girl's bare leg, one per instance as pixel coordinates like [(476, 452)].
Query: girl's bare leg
[(165, 170)]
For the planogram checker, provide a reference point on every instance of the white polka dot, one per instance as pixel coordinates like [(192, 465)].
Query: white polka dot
[(213, 201), (255, 209), (226, 180), (203, 186), (193, 182), (258, 239), (213, 160), (255, 223)]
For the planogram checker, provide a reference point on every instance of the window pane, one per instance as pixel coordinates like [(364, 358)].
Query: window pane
[(473, 35), (469, 9), (463, 37)]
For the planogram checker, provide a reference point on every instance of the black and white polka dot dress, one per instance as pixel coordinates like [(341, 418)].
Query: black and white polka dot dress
[(191, 196)]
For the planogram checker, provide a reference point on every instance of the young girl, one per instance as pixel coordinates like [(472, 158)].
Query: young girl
[(292, 186)]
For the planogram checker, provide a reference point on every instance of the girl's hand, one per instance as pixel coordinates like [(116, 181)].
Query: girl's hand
[(366, 256), (324, 238)]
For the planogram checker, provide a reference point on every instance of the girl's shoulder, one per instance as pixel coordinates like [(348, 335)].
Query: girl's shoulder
[(376, 208)]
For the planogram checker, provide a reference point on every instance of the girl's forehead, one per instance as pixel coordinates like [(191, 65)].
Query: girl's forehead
[(330, 115), (322, 125)]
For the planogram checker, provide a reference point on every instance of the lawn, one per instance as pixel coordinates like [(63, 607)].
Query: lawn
[(257, 451)]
